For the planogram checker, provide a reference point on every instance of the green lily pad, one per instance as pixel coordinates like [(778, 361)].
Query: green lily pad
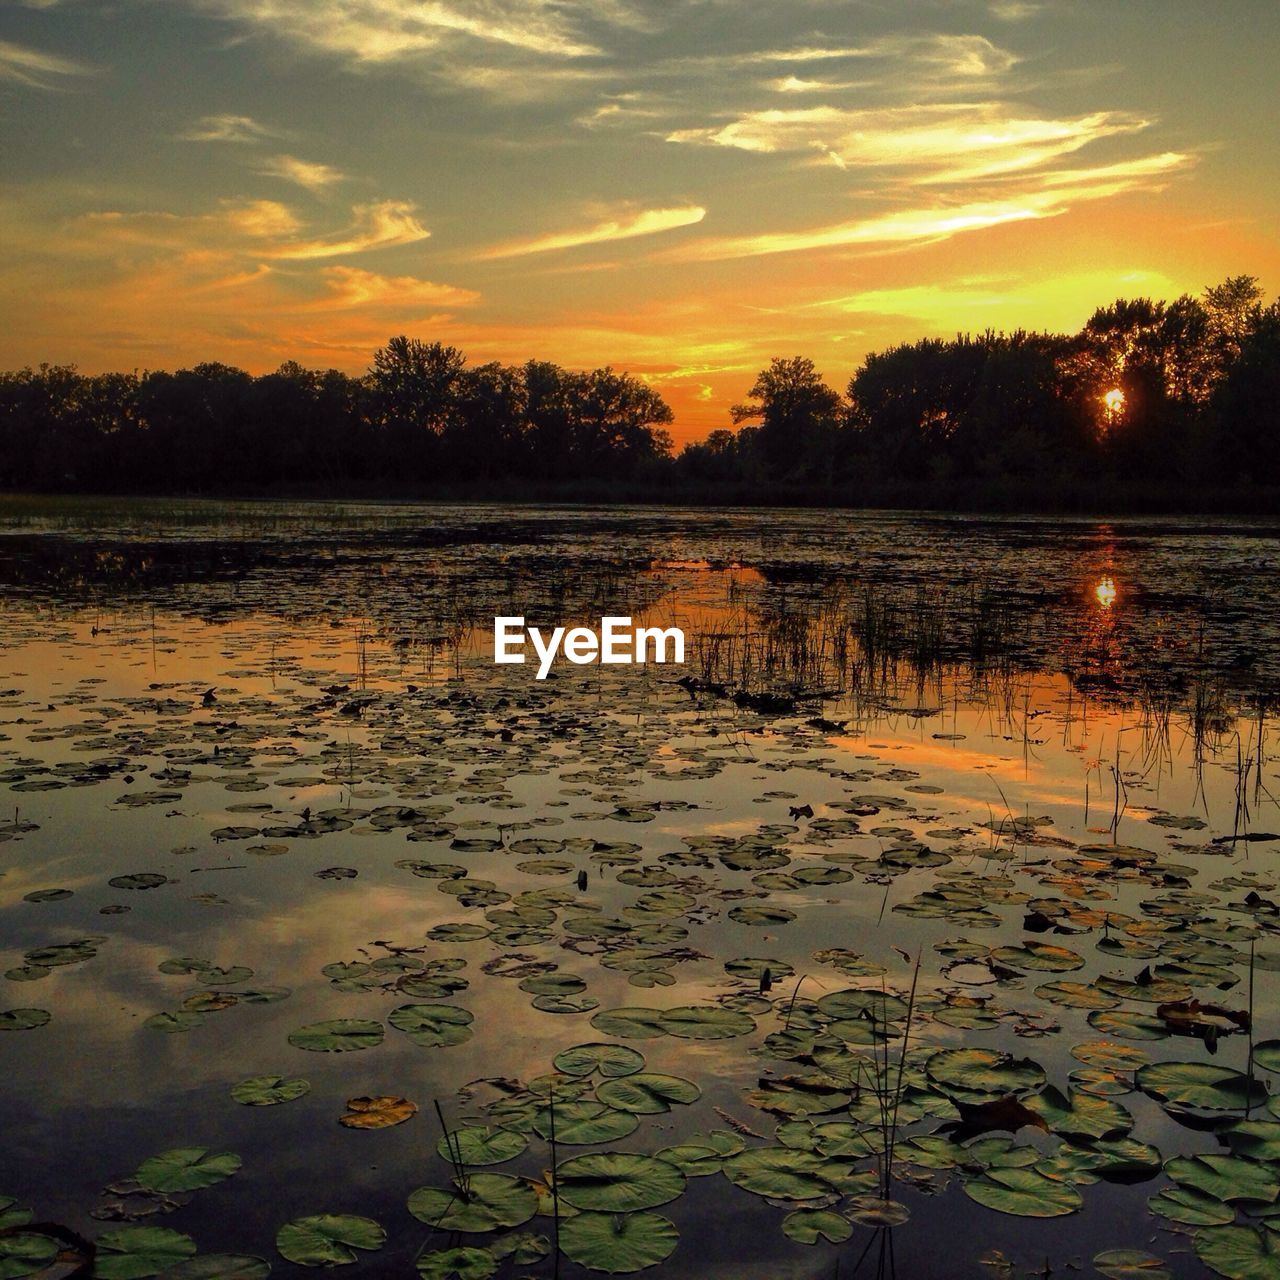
[(631, 1022), (1130, 1264), (328, 1239), (1190, 1207), (617, 1181), (338, 1035), (175, 1023), (24, 1253), (23, 1019), (618, 1243), (1201, 1085), (434, 1026), (1239, 1253), (706, 1022), (647, 1093), (808, 1226), (1267, 1054), (1023, 1193), (221, 1266), (610, 1060), (133, 1253), (585, 1123), (475, 1146), (981, 1074), (1226, 1178), (781, 1173), (269, 1091), (465, 1263), (186, 1169), (486, 1202)]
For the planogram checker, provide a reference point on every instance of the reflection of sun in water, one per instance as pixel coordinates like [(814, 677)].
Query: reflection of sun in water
[(1106, 592), (1114, 400)]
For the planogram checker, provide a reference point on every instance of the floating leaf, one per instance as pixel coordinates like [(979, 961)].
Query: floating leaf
[(617, 1181), (1198, 1084), (433, 1026), (339, 1035), (1023, 1193), (381, 1111), (583, 1124), (474, 1146), (186, 1169), (1130, 1264), (25, 1252), (706, 1022), (133, 1253), (647, 1093), (23, 1019), (611, 1060), (488, 1201), (269, 1091), (781, 1173), (808, 1226), (976, 1074), (1191, 1207), (328, 1239), (464, 1263), (1239, 1253), (618, 1243), (221, 1266)]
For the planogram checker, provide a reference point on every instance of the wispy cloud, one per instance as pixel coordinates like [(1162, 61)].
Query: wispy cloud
[(351, 288), (263, 230), (310, 174), (1052, 196), (622, 227), (371, 31), (383, 224), (227, 128), (943, 142), (22, 65)]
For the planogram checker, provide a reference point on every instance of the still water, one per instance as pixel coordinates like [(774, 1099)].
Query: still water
[(998, 794)]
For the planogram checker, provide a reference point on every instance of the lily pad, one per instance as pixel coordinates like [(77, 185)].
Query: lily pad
[(269, 1091), (338, 1035), (618, 1243), (187, 1169), (328, 1239), (617, 1181), (647, 1093), (1201, 1085), (486, 1202), (133, 1253)]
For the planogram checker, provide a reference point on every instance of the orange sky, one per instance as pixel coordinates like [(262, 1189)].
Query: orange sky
[(679, 188)]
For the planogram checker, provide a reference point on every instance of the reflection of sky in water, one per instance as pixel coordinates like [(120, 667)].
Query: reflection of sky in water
[(93, 1092)]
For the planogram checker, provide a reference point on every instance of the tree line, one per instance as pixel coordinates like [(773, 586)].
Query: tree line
[(1176, 396)]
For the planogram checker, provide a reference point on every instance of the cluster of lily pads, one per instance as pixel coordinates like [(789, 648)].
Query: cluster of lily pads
[(854, 1095)]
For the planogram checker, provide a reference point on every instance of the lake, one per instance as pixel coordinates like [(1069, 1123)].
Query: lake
[(923, 923)]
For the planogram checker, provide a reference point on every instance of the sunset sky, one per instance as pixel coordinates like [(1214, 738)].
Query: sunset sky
[(681, 188)]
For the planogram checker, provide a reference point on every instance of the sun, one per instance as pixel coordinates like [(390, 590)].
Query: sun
[(1114, 401), (1106, 592)]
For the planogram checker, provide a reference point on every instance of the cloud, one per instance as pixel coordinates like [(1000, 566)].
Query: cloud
[(1054, 195), (227, 128), (380, 225), (350, 287), (306, 173), (945, 142), (264, 230), (623, 227), (22, 65), (373, 31)]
